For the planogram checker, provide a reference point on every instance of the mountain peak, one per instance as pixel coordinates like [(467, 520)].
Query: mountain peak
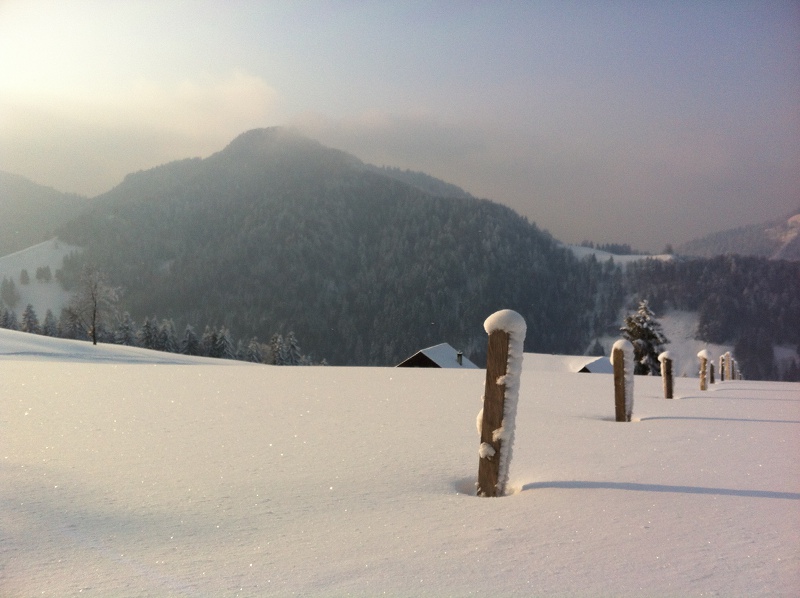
[(280, 145)]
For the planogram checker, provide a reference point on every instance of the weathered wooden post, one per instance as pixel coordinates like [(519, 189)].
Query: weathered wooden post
[(722, 368), (506, 330), (622, 360), (666, 373), (704, 359), (728, 368), (711, 371)]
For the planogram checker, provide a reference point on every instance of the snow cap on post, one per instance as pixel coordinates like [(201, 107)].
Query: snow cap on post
[(507, 320), (704, 354), (664, 355), (625, 346)]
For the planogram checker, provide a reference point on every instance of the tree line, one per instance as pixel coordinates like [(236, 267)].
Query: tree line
[(160, 335)]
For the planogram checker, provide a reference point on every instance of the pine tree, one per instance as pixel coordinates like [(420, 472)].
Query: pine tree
[(69, 326), (224, 347), (253, 353), (190, 344), (209, 343), (11, 321), (126, 332), (293, 354), (277, 350), (148, 335), (166, 337), (50, 325), (30, 322), (8, 293), (647, 337)]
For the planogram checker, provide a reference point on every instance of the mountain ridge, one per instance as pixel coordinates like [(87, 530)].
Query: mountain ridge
[(774, 239), (30, 213), (277, 232)]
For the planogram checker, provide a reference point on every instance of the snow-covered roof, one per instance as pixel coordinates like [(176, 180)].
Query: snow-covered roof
[(442, 355), (566, 363)]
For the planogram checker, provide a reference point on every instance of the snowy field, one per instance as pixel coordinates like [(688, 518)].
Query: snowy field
[(135, 475)]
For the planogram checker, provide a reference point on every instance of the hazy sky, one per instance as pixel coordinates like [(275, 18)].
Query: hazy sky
[(640, 122)]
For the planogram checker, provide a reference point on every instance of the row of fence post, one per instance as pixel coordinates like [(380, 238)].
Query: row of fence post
[(506, 330)]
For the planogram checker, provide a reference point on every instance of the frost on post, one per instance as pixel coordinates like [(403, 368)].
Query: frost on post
[(506, 330), (705, 359), (666, 373), (622, 360)]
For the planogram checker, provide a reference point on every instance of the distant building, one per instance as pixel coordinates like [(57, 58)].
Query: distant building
[(544, 362), (438, 356)]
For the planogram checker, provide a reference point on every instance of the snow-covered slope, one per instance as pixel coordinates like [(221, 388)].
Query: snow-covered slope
[(603, 256), (42, 295), (128, 478)]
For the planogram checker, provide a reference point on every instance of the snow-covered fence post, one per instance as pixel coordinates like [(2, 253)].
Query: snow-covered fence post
[(622, 360), (666, 373), (711, 371), (704, 359), (506, 330), (728, 364)]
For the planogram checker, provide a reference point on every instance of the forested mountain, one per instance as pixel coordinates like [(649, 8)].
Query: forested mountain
[(753, 303), (278, 233), (30, 213), (777, 239), (422, 181)]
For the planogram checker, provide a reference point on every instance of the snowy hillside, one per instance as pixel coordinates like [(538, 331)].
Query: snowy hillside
[(43, 295), (581, 252), (126, 478)]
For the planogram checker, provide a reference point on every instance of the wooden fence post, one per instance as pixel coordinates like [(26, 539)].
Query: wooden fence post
[(728, 368), (622, 360), (666, 373), (711, 372), (722, 368), (506, 330), (704, 359)]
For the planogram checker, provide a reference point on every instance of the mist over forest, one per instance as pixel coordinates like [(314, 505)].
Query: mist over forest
[(365, 265)]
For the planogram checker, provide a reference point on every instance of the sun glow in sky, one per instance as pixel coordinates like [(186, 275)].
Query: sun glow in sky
[(646, 123)]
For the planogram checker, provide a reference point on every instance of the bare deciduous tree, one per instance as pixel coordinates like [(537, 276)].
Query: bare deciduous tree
[(94, 300)]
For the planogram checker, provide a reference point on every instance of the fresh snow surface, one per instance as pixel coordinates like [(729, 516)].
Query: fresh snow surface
[(210, 478)]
